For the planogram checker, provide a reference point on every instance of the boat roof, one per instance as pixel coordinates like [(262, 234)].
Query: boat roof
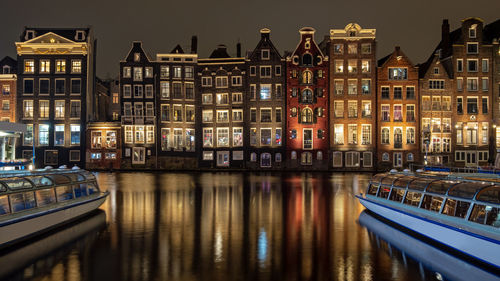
[(22, 180), (487, 191)]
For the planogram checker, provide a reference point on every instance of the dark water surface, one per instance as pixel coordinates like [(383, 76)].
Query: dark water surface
[(220, 226)]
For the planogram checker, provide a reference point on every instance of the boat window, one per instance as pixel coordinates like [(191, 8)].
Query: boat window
[(390, 179), (4, 205), (45, 197), (80, 190), (419, 184), (89, 175), (92, 188), (456, 208), (40, 180), (432, 203), (75, 177), (59, 179), (467, 190), (397, 194), (372, 189), (22, 201), (485, 215), (490, 194), (17, 183), (64, 193), (383, 192), (403, 181), (412, 198), (440, 187)]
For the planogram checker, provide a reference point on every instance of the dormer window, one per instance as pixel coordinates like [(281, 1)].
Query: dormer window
[(307, 60), (137, 57), (30, 34), (436, 70), (6, 69), (80, 35), (264, 54), (472, 31)]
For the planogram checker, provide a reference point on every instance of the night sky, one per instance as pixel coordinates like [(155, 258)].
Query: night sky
[(160, 25)]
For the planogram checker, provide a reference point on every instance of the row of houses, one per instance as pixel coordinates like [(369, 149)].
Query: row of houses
[(327, 104)]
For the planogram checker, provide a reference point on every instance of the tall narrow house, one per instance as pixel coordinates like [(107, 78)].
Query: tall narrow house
[(138, 118), (8, 83), (176, 106), (307, 104), (353, 77), (397, 102), (266, 105), (55, 89), (221, 101)]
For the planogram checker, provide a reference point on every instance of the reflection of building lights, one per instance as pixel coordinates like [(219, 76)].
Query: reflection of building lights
[(262, 247), (30, 167), (218, 247)]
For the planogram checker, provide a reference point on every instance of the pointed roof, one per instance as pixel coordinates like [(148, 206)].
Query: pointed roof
[(265, 40), (177, 50), (220, 52), (397, 53)]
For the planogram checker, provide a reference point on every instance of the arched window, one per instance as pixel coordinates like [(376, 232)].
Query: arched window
[(385, 135), (307, 77), (385, 156), (307, 59), (307, 96), (398, 138), (307, 115), (293, 112), (306, 158)]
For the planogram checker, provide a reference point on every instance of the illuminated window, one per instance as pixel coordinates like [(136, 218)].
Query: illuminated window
[(339, 87), (165, 73), (177, 72), (339, 134), (265, 136), (338, 49), (365, 66), (222, 137), (307, 77), (366, 134), (398, 73), (352, 66), (352, 134), (307, 115), (339, 66), (76, 66), (307, 141), (28, 109), (148, 72), (44, 66), (207, 137), (338, 108), (265, 91), (352, 109), (59, 135), (44, 109), (29, 66), (43, 134), (164, 89)]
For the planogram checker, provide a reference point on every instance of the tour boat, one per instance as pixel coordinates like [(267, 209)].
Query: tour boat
[(32, 202), (459, 213), (442, 265)]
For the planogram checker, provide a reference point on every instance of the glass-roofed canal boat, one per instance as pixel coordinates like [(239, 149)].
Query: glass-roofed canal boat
[(32, 202), (459, 213)]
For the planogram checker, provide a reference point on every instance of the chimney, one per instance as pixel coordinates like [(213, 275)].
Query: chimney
[(238, 50), (445, 38), (264, 33), (194, 44)]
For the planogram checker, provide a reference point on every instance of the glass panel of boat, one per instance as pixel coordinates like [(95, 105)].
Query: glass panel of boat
[(45, 197), (397, 194), (4, 205), (467, 190), (456, 208), (487, 215), (403, 181), (22, 201), (59, 179), (420, 184), (64, 193), (17, 183), (389, 179), (383, 192), (489, 194), (432, 203), (440, 187), (412, 198), (39, 180)]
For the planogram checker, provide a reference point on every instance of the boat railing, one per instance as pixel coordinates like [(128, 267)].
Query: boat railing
[(452, 169)]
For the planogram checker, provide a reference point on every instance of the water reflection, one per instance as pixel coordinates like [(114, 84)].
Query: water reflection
[(233, 226)]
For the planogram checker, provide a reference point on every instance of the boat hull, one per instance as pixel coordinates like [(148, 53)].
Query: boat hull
[(478, 247), (18, 229)]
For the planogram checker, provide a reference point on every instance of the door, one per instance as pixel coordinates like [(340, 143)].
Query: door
[(223, 158), (470, 158), (398, 159)]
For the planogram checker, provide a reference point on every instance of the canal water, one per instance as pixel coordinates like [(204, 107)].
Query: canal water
[(227, 226)]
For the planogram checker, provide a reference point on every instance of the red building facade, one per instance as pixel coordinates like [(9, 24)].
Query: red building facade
[(307, 104)]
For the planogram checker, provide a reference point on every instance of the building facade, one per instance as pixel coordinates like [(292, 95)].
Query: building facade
[(266, 105), (8, 83), (436, 116), (307, 104), (55, 89), (138, 118), (397, 105), (175, 102), (471, 50), (353, 76), (221, 99)]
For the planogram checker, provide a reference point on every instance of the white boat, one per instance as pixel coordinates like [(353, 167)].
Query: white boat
[(458, 213), (441, 264), (35, 202)]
